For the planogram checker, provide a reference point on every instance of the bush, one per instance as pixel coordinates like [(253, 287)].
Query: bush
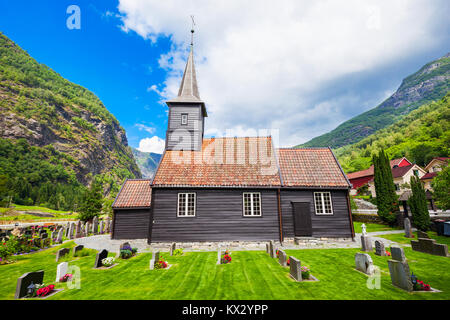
[(178, 252)]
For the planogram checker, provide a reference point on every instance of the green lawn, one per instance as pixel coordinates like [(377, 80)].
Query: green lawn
[(400, 237), (251, 275), (8, 215), (373, 227)]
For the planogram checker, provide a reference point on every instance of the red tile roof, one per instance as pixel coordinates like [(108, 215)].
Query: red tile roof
[(134, 194), (429, 175), (370, 171), (311, 167), (222, 162), (401, 171)]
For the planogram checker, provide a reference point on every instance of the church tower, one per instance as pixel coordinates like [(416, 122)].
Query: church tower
[(187, 113)]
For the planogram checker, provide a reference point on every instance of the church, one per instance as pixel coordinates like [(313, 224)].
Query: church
[(231, 189)]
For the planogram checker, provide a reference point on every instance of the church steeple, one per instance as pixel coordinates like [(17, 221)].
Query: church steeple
[(187, 112)]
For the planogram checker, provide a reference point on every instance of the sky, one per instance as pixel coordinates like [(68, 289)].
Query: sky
[(297, 68)]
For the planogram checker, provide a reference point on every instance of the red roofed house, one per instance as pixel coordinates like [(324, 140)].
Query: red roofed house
[(231, 189), (360, 178), (433, 168)]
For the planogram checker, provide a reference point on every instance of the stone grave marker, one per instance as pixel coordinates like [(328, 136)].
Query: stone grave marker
[(60, 236), (78, 248), (408, 229), (26, 280), (102, 226), (379, 248), (282, 258), (71, 230), (272, 250), (173, 247), (95, 225), (61, 253), (44, 235), (364, 263), (61, 270), (107, 225), (78, 229), (399, 270), (155, 259), (100, 256), (430, 246), (366, 244), (86, 229), (423, 235), (295, 269)]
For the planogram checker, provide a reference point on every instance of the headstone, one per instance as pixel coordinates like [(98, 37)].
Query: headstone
[(44, 235), (173, 247), (398, 254), (86, 229), (100, 256), (61, 270), (219, 256), (26, 280), (295, 269), (155, 259), (282, 258), (366, 244), (95, 225), (61, 253), (267, 248), (423, 235), (60, 236), (71, 230), (272, 250), (379, 248), (363, 228), (430, 246), (78, 248), (408, 230), (364, 263), (102, 226), (399, 270), (78, 229)]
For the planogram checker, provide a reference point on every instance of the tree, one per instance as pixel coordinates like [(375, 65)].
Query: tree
[(387, 200), (92, 202), (418, 204), (441, 188)]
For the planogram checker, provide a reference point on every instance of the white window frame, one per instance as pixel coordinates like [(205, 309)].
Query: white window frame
[(187, 205), (251, 205), (322, 198), (183, 115)]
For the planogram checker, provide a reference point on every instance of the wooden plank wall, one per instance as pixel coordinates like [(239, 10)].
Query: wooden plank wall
[(131, 224)]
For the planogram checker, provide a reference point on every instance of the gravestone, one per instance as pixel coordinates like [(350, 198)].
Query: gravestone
[(219, 256), (430, 246), (295, 269), (102, 226), (95, 225), (399, 270), (408, 230), (364, 263), (272, 250), (53, 236), (267, 248), (366, 244), (44, 235), (61, 270), (78, 230), (363, 228), (107, 225), (71, 230), (61, 253), (423, 235), (155, 259), (60, 236), (26, 280), (173, 247), (100, 256), (379, 248), (282, 258), (86, 229), (78, 248)]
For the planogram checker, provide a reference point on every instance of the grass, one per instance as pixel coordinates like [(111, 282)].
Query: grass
[(373, 227), (400, 238), (251, 275), (9, 215)]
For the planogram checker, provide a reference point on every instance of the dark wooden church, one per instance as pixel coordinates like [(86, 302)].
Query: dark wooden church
[(231, 189)]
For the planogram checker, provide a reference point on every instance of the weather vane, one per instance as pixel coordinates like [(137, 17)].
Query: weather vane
[(192, 31)]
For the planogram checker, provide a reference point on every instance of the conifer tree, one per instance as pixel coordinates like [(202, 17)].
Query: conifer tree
[(91, 204), (418, 204)]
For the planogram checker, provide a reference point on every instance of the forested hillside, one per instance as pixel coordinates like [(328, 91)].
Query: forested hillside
[(428, 84), (55, 136), (420, 136), (147, 162)]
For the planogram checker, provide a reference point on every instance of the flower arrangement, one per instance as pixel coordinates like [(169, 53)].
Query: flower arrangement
[(226, 257), (161, 264), (388, 253), (419, 285), (66, 277), (306, 272), (288, 262), (178, 252), (44, 291), (108, 262), (278, 253), (127, 252)]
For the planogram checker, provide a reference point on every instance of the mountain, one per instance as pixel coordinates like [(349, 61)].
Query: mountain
[(61, 128), (147, 162), (420, 136), (430, 83)]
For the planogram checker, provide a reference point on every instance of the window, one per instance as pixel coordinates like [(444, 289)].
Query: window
[(252, 204), (322, 201), (397, 187), (184, 119), (186, 205), (416, 173)]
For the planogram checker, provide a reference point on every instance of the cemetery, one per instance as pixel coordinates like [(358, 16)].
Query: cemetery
[(279, 272)]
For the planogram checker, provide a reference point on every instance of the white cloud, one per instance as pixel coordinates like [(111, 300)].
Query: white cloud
[(265, 64), (153, 144), (143, 127)]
